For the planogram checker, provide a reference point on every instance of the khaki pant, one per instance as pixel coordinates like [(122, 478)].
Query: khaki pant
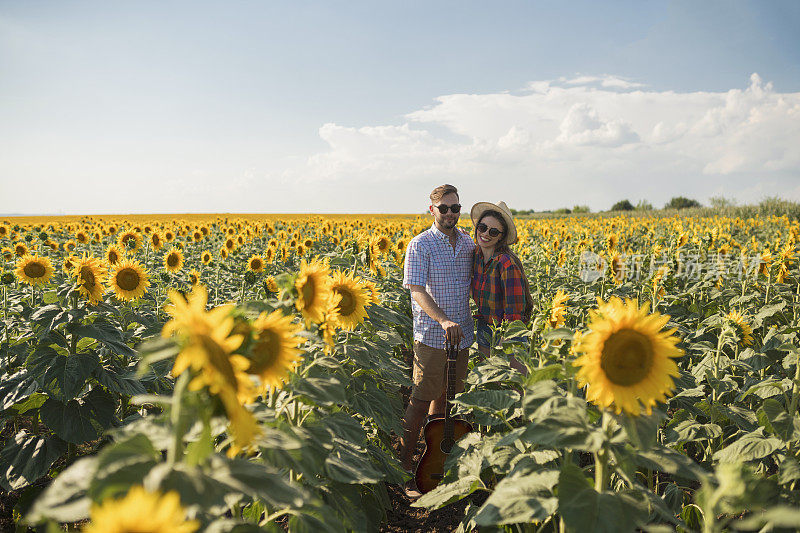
[(430, 371)]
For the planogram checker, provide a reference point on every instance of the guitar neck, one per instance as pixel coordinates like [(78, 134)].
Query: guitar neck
[(452, 354)]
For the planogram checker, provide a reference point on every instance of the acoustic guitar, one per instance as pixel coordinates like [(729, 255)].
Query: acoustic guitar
[(441, 433)]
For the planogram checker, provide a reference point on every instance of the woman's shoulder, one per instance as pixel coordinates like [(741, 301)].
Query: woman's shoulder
[(505, 260)]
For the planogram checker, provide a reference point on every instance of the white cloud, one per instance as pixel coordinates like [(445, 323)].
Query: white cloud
[(572, 134)]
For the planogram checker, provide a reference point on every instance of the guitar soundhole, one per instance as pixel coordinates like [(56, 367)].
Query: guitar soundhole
[(447, 445)]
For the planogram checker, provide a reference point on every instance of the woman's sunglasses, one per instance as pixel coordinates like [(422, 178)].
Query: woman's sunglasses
[(443, 208), (493, 232)]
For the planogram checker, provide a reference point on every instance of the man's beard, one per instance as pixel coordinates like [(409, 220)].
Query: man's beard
[(448, 223)]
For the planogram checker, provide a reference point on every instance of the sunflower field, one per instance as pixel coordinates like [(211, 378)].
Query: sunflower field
[(248, 373)]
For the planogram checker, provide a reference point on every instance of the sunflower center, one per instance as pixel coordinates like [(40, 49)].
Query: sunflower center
[(34, 270), (347, 305), (87, 276), (172, 260), (128, 279), (113, 257), (266, 352), (308, 292), (627, 357), (256, 264)]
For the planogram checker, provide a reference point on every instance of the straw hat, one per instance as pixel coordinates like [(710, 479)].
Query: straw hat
[(481, 207)]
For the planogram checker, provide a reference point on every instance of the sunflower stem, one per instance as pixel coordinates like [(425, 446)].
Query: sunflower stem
[(601, 473), (769, 281), (175, 452), (720, 340)]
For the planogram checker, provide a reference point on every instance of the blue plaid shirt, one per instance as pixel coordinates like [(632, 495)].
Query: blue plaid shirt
[(446, 274)]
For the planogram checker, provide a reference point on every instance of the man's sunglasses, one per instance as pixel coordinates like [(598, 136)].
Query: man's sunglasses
[(443, 208), (493, 232)]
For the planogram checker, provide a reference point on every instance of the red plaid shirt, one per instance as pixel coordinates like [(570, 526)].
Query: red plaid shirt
[(497, 288)]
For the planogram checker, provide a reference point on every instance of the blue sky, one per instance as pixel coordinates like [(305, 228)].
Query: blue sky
[(139, 107)]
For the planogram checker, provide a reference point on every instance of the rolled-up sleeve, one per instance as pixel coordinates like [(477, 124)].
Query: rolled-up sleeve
[(513, 291), (415, 269)]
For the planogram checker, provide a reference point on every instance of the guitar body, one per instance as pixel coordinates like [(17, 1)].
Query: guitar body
[(431, 465)]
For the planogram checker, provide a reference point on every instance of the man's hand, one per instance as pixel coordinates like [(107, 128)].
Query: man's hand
[(452, 332)]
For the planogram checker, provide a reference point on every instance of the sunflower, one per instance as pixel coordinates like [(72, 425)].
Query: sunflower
[(270, 284), (330, 323), (255, 263), (69, 263), (20, 249), (557, 309), (223, 252), (194, 276), (141, 511), (766, 259), (617, 266), (374, 295), (274, 352), (156, 240), (113, 254), (82, 237), (91, 274), (230, 244), (269, 254), (313, 286), (34, 269), (207, 347), (743, 329), (206, 257), (129, 240), (197, 236), (626, 359), (300, 250), (611, 241), (173, 260), (353, 299), (8, 253), (69, 246), (381, 244), (3, 231), (169, 235), (129, 280)]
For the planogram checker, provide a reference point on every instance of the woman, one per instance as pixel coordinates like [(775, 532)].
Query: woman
[(499, 287)]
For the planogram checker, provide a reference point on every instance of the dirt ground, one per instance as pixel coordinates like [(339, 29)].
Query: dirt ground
[(402, 517)]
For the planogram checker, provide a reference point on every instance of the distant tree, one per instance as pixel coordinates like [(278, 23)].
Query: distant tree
[(562, 211), (721, 202), (644, 205), (623, 205), (680, 202), (581, 209)]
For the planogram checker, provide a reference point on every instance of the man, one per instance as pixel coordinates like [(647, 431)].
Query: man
[(437, 273)]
